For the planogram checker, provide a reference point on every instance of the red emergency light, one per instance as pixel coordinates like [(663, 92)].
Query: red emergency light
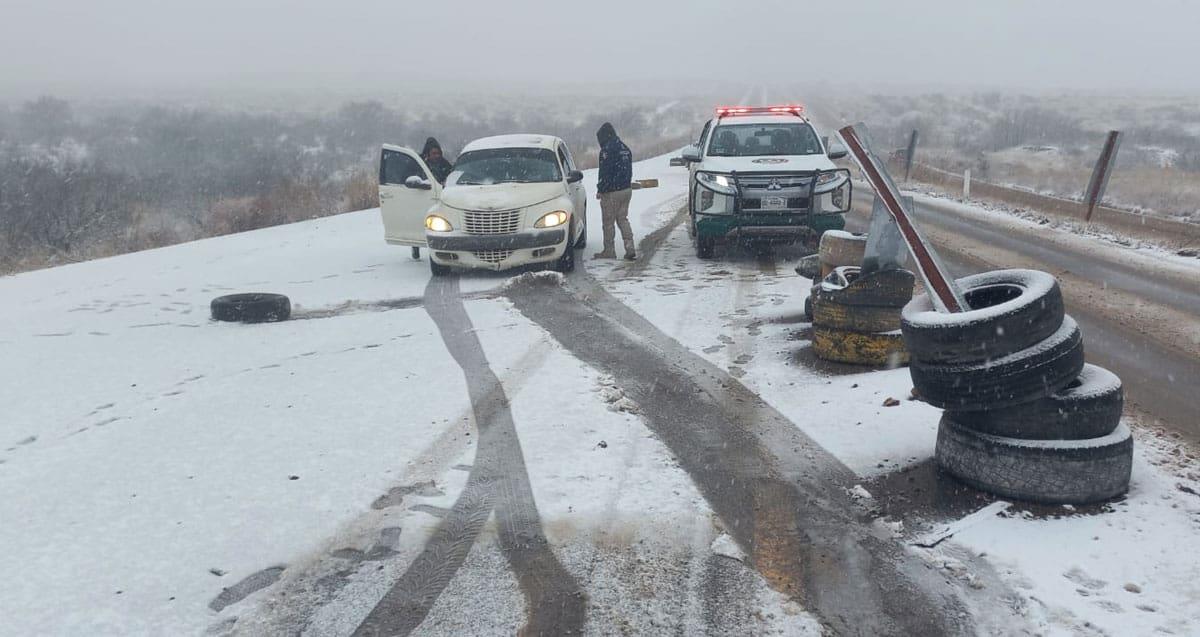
[(794, 109)]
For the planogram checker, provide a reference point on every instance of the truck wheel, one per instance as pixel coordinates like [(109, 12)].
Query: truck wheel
[(438, 269), (1089, 407), (1050, 472), (256, 307), (889, 288), (856, 348), (1011, 310), (1021, 377), (705, 247)]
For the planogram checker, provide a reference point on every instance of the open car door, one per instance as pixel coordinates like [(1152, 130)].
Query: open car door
[(406, 192)]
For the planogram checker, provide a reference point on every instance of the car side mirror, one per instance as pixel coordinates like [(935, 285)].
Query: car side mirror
[(691, 153), (837, 150), (416, 183), (678, 161), (574, 177)]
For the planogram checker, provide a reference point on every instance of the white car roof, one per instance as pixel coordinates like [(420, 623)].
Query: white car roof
[(514, 141), (760, 119)]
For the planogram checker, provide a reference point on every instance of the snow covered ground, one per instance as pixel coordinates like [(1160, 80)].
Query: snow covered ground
[(151, 459)]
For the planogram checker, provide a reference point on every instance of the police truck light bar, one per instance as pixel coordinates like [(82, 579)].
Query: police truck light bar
[(793, 109)]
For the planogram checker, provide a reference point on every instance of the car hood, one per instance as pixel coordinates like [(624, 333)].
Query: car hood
[(769, 163), (501, 196)]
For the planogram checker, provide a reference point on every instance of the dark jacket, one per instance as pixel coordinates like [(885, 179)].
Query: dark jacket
[(616, 162), (440, 168)]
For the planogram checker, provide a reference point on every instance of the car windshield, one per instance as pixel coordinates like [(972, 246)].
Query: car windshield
[(505, 165), (756, 140)]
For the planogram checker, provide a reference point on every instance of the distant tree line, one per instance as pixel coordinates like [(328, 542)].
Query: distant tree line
[(77, 182)]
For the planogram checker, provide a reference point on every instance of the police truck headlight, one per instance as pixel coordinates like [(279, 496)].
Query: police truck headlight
[(829, 180), (434, 223), (553, 219), (720, 183)]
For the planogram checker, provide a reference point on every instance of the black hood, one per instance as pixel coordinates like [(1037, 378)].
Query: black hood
[(606, 133), (430, 144)]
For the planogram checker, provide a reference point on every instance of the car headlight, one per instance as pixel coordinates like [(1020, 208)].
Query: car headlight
[(723, 184), (827, 181), (550, 220), (434, 223)]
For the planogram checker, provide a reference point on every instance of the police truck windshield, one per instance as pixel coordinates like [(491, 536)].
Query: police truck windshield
[(756, 140)]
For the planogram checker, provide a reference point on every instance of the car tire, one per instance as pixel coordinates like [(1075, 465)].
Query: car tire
[(582, 242), (254, 307), (857, 348), (1042, 471), (809, 266), (888, 288), (1021, 377), (706, 247), (438, 269), (1089, 407), (1012, 310), (837, 248), (566, 262), (808, 306), (856, 318)]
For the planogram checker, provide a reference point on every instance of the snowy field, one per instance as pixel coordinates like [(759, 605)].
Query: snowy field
[(153, 461)]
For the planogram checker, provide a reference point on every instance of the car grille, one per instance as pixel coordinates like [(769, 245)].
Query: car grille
[(479, 222), (765, 182), (493, 256)]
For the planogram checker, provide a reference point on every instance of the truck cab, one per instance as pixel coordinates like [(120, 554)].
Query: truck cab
[(763, 174)]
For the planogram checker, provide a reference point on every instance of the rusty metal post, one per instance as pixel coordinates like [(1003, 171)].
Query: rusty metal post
[(942, 289), (1099, 181), (912, 151)]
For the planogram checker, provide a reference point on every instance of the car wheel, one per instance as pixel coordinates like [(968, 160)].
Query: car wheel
[(256, 307), (1089, 407), (438, 269), (856, 348), (582, 242), (566, 263), (1025, 376), (887, 288), (1011, 310), (1045, 471)]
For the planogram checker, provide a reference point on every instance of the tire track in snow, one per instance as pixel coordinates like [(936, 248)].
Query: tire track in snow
[(498, 481), (779, 494)]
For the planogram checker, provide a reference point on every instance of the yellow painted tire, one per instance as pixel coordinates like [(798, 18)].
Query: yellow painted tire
[(855, 318), (839, 248), (857, 348)]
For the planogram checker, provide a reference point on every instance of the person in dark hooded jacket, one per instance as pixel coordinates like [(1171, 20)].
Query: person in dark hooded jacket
[(438, 164), (614, 190)]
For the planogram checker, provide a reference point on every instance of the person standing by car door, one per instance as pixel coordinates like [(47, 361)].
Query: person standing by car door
[(436, 161), (614, 190)]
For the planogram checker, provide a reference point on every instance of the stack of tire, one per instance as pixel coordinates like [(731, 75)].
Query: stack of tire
[(856, 317), (836, 249), (1025, 416)]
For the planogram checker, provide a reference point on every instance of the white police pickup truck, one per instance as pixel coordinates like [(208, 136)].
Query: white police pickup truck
[(763, 174)]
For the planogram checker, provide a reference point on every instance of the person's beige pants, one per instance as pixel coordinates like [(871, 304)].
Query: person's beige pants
[(614, 210)]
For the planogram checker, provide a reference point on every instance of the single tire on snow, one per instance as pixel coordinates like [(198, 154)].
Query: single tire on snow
[(253, 307), (856, 348), (808, 306), (1021, 377), (888, 288), (1011, 310), (838, 248), (1044, 471), (855, 318), (809, 266), (1089, 407)]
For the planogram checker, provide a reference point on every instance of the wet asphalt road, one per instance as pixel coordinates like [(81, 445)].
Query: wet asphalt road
[(1159, 381)]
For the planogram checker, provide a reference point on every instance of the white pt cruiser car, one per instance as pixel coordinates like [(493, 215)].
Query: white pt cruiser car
[(511, 200)]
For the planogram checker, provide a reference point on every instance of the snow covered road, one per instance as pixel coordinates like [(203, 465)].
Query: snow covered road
[(644, 448)]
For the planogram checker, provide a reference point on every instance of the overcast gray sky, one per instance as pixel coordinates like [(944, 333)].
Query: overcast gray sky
[(106, 47)]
